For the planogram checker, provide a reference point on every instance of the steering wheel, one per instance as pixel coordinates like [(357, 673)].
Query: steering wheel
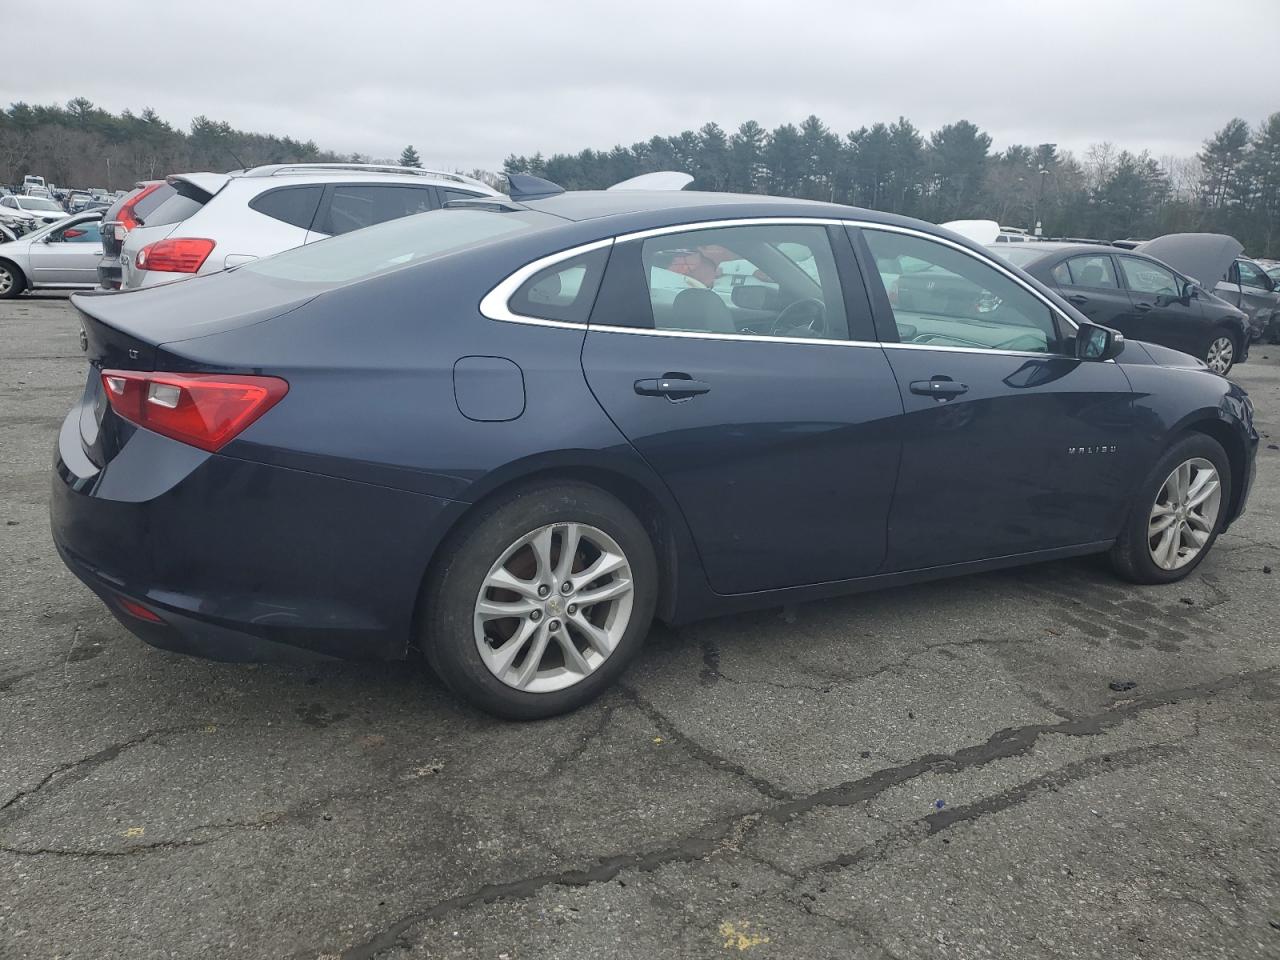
[(807, 314)]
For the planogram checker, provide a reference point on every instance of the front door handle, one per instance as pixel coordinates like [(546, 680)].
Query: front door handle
[(1143, 306), (938, 388), (673, 388)]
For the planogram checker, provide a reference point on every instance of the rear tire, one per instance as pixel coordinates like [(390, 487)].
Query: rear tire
[(1222, 351), (12, 280), (581, 644), (1146, 539)]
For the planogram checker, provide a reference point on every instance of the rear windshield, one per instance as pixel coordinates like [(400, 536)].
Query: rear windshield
[(148, 204), (35, 203), (396, 243), (174, 208), (1018, 256)]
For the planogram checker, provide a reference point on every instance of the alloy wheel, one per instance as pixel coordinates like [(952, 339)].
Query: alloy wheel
[(1185, 514), (553, 607), (6, 280), (1221, 352)]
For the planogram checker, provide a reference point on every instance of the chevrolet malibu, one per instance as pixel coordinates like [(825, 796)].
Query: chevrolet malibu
[(512, 432)]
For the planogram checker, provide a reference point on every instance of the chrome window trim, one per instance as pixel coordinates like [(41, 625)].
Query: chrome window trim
[(748, 337), (495, 306)]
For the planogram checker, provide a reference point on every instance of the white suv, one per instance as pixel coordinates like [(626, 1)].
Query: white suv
[(215, 220)]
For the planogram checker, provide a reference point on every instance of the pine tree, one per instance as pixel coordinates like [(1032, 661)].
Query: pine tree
[(409, 157)]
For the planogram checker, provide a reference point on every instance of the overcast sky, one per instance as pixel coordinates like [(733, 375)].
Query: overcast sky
[(470, 83)]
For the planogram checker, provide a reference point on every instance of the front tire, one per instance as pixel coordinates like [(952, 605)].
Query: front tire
[(540, 600), (1177, 513), (1221, 353), (12, 281)]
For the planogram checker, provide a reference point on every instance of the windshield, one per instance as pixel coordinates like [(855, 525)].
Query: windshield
[(36, 203), (377, 249), (1018, 256)]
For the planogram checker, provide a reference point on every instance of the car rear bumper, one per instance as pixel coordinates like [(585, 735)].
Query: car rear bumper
[(110, 273), (241, 560)]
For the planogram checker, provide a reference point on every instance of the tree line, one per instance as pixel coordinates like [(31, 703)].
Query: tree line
[(1231, 186), (82, 145)]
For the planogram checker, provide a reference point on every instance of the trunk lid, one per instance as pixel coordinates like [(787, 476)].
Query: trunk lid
[(128, 331)]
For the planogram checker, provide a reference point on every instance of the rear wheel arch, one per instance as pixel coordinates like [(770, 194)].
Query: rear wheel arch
[(645, 503)]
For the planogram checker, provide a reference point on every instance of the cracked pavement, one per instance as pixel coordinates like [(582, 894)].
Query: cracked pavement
[(934, 771)]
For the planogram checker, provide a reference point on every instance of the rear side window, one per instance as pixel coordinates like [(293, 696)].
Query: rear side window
[(292, 205), (353, 207), (1096, 272), (447, 194), (563, 291)]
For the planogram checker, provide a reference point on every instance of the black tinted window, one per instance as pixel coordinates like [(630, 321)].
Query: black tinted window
[(293, 205), (564, 291), (174, 209), (1093, 271), (147, 205), (353, 207)]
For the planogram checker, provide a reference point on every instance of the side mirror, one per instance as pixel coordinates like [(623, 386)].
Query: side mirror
[(1098, 343), (751, 296), (1190, 290)]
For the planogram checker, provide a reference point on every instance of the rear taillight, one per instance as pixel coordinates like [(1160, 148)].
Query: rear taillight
[(183, 255), (126, 217), (206, 410)]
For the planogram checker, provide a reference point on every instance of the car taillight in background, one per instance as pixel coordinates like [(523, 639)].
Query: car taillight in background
[(126, 219), (183, 255), (206, 410)]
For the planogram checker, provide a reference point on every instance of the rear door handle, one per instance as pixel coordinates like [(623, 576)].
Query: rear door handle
[(1077, 299), (939, 389), (673, 388)]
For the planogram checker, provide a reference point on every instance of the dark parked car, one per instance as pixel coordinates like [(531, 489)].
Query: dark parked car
[(512, 431), (1143, 298), (127, 212)]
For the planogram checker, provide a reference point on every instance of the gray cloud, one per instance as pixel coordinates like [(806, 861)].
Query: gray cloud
[(470, 84)]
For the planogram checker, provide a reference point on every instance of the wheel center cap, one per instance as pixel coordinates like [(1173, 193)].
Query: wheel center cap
[(553, 605)]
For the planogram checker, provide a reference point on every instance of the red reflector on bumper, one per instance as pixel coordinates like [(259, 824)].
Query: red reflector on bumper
[(135, 609)]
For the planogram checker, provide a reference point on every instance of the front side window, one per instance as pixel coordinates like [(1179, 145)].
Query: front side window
[(354, 207), (944, 297), (767, 280), (1095, 271), (1146, 276), (9, 202), (88, 232), (1251, 276)]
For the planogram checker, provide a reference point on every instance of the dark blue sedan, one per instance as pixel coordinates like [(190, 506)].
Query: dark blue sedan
[(512, 432)]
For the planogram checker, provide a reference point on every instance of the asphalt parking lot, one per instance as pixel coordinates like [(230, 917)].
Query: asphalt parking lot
[(936, 771)]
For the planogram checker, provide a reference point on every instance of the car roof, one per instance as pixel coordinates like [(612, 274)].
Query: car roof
[(326, 172), (592, 204)]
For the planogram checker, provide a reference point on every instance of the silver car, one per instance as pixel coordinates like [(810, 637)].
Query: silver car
[(61, 256), (215, 220)]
